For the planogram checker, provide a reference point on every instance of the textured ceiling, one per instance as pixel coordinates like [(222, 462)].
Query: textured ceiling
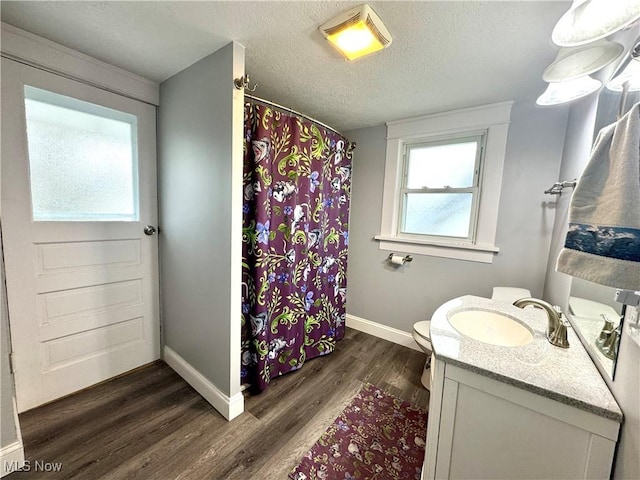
[(445, 54)]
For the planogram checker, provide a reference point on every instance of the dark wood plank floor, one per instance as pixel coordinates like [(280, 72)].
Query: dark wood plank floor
[(150, 424)]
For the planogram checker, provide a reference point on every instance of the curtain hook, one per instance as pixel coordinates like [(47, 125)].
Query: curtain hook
[(243, 82)]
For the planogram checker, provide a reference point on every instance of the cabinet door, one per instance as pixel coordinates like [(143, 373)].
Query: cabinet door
[(485, 434)]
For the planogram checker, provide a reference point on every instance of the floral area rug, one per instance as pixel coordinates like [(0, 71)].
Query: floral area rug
[(378, 436)]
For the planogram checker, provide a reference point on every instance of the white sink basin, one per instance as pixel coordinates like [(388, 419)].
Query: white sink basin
[(491, 327)]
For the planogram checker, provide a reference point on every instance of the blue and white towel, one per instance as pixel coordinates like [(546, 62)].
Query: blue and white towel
[(603, 240)]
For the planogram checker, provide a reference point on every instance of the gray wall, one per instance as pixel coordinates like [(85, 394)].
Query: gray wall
[(8, 433), (626, 387), (578, 142), (199, 241), (399, 298)]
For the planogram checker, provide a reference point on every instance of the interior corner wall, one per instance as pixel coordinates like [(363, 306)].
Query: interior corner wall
[(200, 196), (398, 298), (8, 429)]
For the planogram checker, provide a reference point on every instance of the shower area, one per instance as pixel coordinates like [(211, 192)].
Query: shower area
[(295, 240), (253, 232)]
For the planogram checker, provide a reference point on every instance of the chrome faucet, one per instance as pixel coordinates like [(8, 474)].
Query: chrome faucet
[(557, 328)]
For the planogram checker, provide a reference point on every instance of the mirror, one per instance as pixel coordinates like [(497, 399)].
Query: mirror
[(597, 318), (590, 303)]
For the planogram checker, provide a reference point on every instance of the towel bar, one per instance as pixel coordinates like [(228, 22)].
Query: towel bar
[(556, 188)]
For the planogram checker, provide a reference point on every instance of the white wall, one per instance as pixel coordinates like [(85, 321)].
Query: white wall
[(399, 297), (200, 197)]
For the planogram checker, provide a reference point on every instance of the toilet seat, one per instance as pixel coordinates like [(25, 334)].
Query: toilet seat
[(422, 335)]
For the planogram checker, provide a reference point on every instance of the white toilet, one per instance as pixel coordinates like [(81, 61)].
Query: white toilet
[(509, 294), (422, 335)]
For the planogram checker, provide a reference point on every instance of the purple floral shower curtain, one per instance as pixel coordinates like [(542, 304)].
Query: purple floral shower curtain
[(297, 188)]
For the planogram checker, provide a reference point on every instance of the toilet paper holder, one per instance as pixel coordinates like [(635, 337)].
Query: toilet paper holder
[(406, 258)]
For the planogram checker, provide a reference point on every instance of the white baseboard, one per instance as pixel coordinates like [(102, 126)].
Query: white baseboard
[(11, 458), (229, 407), (382, 331)]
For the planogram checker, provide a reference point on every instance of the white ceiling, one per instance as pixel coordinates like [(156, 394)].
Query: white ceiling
[(445, 54)]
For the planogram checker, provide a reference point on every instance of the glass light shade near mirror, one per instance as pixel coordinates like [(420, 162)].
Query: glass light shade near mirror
[(593, 20), (563, 92), (357, 32), (571, 63), (631, 74)]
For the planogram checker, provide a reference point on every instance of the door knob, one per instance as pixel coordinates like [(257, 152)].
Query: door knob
[(149, 230)]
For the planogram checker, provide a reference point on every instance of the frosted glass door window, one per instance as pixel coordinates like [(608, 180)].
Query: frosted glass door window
[(82, 159)]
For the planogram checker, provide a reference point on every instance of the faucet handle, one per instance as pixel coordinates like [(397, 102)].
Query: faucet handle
[(610, 346), (559, 336)]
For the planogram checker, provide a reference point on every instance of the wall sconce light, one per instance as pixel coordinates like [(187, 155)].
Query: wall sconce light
[(593, 20), (571, 63), (630, 73), (357, 32), (563, 92)]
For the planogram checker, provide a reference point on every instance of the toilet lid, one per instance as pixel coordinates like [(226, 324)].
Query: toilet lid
[(422, 329)]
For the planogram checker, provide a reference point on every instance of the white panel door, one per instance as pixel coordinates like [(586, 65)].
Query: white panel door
[(78, 189)]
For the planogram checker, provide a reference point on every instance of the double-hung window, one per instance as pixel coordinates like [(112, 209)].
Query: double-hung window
[(440, 191), (442, 182)]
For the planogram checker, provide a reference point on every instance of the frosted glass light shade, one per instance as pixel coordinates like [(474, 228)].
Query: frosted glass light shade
[(592, 20), (563, 92), (631, 73), (356, 41), (357, 32), (574, 62)]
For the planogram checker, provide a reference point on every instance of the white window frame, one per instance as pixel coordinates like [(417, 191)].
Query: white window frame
[(493, 121), (475, 189)]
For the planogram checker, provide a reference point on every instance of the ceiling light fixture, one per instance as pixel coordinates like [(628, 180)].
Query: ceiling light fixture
[(592, 20), (563, 92), (357, 32)]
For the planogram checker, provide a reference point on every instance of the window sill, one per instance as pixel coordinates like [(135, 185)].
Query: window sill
[(457, 251)]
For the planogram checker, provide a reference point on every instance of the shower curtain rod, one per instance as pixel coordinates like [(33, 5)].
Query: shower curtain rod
[(290, 110)]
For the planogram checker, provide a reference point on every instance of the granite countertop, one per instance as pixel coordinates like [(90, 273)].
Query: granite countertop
[(567, 375)]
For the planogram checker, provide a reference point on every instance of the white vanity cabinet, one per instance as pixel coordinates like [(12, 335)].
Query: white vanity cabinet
[(481, 428)]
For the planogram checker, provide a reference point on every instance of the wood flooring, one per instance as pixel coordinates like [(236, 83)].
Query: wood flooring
[(150, 424)]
